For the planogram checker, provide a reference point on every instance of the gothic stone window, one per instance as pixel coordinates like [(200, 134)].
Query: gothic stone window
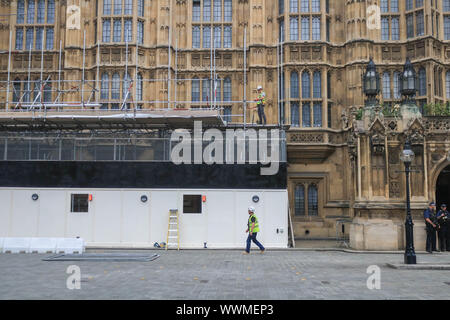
[(118, 19), (35, 21), (390, 18), (306, 199), (212, 92), (306, 104), (446, 9), (27, 90), (110, 85), (415, 22), (304, 23), (211, 22)]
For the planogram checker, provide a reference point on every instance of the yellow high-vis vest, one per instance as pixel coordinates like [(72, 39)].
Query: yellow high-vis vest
[(256, 228), (261, 98)]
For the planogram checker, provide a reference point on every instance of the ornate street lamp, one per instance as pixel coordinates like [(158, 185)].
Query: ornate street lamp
[(408, 83), (371, 84), (407, 157)]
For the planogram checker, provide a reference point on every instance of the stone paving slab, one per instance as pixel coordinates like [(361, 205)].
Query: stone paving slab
[(225, 275)]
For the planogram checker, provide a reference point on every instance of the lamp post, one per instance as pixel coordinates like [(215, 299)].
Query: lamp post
[(408, 83), (371, 84), (407, 157)]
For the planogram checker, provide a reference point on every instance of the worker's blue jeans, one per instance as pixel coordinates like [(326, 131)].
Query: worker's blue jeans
[(253, 238), (261, 114)]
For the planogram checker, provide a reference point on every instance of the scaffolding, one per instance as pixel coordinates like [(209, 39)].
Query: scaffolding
[(47, 95)]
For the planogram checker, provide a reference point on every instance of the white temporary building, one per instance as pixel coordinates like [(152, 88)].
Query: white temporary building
[(121, 218)]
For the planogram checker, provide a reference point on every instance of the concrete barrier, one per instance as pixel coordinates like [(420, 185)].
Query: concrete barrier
[(16, 245), (43, 245), (70, 245)]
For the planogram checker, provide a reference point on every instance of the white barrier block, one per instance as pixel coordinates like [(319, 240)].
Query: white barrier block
[(16, 245), (70, 245), (43, 245), (2, 240)]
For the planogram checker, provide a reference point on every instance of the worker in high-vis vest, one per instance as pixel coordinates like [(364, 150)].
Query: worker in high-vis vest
[(252, 229), (260, 103)]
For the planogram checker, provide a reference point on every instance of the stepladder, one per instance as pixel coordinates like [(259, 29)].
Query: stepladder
[(173, 233)]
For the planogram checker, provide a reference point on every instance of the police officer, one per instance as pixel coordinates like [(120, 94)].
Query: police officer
[(444, 228), (252, 229), (431, 225), (260, 103)]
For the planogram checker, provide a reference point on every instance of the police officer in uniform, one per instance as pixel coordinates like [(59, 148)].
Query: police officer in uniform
[(431, 225), (444, 228), (252, 229)]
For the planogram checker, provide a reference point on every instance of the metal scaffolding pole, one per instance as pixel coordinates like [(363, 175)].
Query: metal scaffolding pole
[(97, 76), (245, 78), (29, 72), (9, 71), (168, 53), (136, 75), (214, 75), (278, 83), (176, 69), (82, 76), (59, 68), (211, 65), (283, 91), (125, 78)]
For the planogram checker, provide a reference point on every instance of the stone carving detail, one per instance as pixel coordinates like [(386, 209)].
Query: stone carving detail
[(352, 142), (416, 133), (436, 157), (394, 189), (377, 137), (195, 60), (152, 59), (307, 138), (344, 119), (439, 125), (269, 75)]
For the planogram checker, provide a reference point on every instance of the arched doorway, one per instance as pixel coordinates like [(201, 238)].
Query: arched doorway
[(443, 188)]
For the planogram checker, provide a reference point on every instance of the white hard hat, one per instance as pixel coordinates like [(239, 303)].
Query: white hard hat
[(259, 87), (251, 209)]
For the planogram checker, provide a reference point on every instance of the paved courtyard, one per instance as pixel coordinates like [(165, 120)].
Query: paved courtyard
[(225, 274)]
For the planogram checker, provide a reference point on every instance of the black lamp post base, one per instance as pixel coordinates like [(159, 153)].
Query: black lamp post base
[(410, 258)]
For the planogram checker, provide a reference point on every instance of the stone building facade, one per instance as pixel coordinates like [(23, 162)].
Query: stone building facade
[(309, 55)]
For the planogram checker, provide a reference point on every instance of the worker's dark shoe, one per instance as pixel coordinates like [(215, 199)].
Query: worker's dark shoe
[(429, 251)]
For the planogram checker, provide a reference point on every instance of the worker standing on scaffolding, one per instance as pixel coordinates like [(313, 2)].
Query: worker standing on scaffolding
[(260, 102)]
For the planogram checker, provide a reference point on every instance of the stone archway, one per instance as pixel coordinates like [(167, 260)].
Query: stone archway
[(442, 191)]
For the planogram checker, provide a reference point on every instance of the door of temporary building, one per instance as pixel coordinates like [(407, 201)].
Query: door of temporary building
[(161, 201), (221, 208), (135, 218), (193, 222)]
